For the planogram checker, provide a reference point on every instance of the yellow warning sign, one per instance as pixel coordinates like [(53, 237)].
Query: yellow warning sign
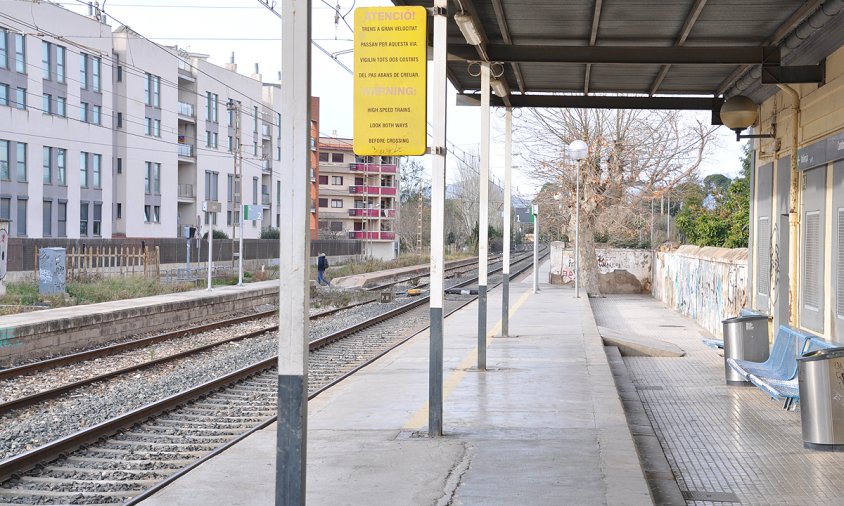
[(390, 81)]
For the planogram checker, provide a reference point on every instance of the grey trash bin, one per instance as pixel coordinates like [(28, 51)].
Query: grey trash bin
[(820, 375), (745, 338)]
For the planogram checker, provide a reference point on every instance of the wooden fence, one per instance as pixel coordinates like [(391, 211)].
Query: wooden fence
[(104, 260)]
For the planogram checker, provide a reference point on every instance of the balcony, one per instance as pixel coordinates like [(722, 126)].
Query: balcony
[(376, 236), (265, 199), (373, 167), (186, 150), (373, 190), (265, 130), (266, 166), (186, 192), (186, 110), (373, 213)]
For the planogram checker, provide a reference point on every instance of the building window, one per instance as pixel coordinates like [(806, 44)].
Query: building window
[(254, 191), (323, 202), (61, 166), (324, 156), (211, 185), (48, 165), (60, 56), (20, 98), (148, 213), (119, 211), (156, 178), (96, 63), (255, 119), (97, 171), (20, 53), (147, 126), (83, 71), (119, 120), (120, 166), (337, 180), (255, 148), (4, 48), (5, 202), (231, 143), (278, 153), (47, 219), (323, 179), (83, 169), (45, 59), (61, 107), (83, 219), (4, 93), (62, 219), (337, 157), (83, 112), (21, 216), (5, 172), (336, 203), (148, 178), (336, 226), (96, 112), (98, 218), (156, 214), (211, 107), (21, 162), (156, 128), (119, 73), (46, 103), (152, 88)]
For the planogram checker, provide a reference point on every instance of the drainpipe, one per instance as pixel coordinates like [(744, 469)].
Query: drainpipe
[(793, 216)]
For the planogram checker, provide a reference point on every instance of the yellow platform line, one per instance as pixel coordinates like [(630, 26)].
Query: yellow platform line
[(420, 418)]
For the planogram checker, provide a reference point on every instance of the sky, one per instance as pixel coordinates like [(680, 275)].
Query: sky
[(253, 33)]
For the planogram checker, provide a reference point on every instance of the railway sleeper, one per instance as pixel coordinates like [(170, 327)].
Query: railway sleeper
[(137, 465), (41, 483)]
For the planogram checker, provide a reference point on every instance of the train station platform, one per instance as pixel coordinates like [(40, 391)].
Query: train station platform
[(542, 425)]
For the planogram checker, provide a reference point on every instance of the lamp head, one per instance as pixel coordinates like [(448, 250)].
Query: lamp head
[(738, 112), (578, 150)]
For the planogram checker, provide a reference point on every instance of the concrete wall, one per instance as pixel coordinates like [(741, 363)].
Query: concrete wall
[(616, 267), (705, 284)]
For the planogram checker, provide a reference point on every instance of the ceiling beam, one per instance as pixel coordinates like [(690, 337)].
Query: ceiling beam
[(593, 38), (786, 28), (504, 28), (598, 102), (714, 55), (691, 19)]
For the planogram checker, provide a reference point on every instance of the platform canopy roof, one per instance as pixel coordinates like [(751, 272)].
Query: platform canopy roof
[(674, 54)]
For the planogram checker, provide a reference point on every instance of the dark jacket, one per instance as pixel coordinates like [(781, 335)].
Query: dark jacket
[(322, 263)]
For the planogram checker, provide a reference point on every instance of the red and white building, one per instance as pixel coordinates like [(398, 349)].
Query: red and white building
[(358, 197)]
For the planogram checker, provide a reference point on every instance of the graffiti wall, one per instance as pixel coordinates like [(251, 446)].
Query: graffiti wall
[(705, 284), (633, 261)]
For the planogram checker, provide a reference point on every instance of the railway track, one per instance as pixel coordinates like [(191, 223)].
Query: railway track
[(122, 457)]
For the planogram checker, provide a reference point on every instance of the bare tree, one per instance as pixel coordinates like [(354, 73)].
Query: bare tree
[(634, 156), (414, 224)]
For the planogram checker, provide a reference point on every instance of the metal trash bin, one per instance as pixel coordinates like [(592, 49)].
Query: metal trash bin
[(745, 338), (820, 375)]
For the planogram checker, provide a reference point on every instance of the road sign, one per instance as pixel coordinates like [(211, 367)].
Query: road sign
[(253, 212), (211, 206), (390, 81)]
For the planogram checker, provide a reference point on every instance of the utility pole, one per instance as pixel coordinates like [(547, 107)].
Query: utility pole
[(233, 108)]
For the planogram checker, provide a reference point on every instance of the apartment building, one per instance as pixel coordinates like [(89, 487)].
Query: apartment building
[(358, 197), (56, 109), (130, 137)]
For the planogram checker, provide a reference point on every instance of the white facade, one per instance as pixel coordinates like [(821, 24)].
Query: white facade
[(63, 186), (156, 138)]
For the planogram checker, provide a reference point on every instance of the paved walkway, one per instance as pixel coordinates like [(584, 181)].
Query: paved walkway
[(725, 445), (543, 426)]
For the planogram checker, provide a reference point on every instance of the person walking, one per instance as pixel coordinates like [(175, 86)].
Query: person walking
[(322, 265)]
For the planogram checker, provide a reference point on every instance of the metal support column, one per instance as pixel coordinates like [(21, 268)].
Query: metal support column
[(294, 249), (508, 201), (535, 211), (438, 151), (483, 217)]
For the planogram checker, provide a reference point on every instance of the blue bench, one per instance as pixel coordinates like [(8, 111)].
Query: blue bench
[(718, 344), (788, 390), (777, 376)]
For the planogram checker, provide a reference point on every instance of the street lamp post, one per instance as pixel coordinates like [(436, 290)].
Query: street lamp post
[(578, 151)]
